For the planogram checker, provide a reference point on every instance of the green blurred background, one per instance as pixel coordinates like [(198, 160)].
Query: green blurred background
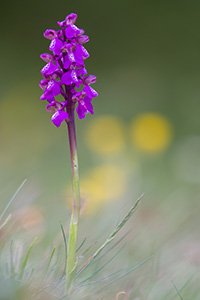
[(143, 137), (146, 58)]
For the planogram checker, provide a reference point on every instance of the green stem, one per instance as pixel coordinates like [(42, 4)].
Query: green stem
[(73, 230)]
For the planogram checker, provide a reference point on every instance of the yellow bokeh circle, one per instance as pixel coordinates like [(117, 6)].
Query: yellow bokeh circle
[(151, 132), (100, 185), (105, 135)]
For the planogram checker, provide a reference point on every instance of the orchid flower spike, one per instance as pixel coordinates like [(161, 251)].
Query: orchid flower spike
[(65, 72)]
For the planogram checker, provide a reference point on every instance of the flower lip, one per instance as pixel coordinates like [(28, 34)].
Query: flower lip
[(59, 116), (56, 46), (49, 69), (53, 87), (91, 93), (69, 77), (71, 31)]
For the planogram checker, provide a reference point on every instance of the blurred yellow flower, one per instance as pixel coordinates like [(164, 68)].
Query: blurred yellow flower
[(105, 135), (102, 184), (151, 132)]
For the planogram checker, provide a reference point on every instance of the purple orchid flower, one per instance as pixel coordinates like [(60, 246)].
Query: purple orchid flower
[(65, 71)]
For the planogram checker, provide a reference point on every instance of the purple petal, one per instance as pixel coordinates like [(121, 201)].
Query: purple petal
[(50, 34), (71, 57), (91, 93), (58, 117), (88, 105), (89, 79), (84, 106), (56, 46), (69, 77), (71, 31), (49, 69), (81, 111), (66, 64), (71, 19), (82, 39), (61, 24), (43, 84), (53, 87), (78, 53), (82, 31), (78, 96), (47, 57), (43, 97), (53, 106), (68, 60), (47, 96), (85, 52), (81, 72), (77, 85)]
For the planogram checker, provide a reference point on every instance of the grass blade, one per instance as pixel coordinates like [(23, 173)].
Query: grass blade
[(83, 242), (49, 262), (11, 200), (112, 235), (123, 275), (178, 293), (110, 249), (102, 279), (65, 243), (105, 264), (184, 285), (26, 259)]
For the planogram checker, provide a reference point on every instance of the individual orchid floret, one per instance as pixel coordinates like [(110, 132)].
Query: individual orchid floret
[(71, 19), (89, 79), (54, 106), (53, 87), (69, 77), (91, 93), (82, 39), (50, 34), (72, 31), (43, 84), (84, 104), (85, 52), (56, 46), (49, 69), (65, 72), (58, 117), (47, 57), (84, 107)]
